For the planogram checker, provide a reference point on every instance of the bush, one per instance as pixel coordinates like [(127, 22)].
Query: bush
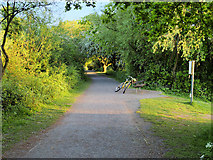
[(26, 94), (72, 76), (118, 75), (13, 97)]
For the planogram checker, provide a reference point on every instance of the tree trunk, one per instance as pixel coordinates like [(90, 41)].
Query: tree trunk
[(175, 51), (6, 61), (175, 66), (9, 20), (176, 59), (1, 66), (105, 68)]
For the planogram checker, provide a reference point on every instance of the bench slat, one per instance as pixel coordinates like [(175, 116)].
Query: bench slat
[(139, 85)]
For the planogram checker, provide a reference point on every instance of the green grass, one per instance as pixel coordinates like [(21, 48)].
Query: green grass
[(17, 128), (185, 128)]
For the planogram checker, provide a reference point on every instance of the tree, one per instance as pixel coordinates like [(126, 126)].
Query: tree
[(9, 11), (188, 28), (154, 41), (99, 44)]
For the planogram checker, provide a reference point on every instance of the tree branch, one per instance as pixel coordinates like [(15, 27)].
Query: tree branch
[(111, 28), (23, 8)]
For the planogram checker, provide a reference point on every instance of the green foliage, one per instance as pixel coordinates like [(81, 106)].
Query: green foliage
[(155, 41), (45, 63), (12, 95), (98, 45), (119, 75), (207, 153), (19, 127), (72, 77), (44, 73)]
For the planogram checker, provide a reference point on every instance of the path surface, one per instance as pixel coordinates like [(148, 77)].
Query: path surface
[(101, 124)]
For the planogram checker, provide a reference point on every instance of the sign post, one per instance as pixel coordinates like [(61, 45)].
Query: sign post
[(191, 71)]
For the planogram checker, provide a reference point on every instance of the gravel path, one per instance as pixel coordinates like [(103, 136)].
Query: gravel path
[(101, 124)]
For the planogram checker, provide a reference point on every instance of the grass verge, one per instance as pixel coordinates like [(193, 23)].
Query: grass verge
[(185, 128), (17, 128)]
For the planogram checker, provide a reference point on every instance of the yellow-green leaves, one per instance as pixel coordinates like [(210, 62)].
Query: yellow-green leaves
[(188, 45)]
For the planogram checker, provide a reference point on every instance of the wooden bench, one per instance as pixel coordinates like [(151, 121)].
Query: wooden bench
[(139, 85)]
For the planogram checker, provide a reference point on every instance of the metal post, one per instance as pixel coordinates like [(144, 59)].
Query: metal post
[(192, 86), (191, 71)]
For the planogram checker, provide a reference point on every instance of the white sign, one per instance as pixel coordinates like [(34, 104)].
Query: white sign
[(191, 67), (191, 71)]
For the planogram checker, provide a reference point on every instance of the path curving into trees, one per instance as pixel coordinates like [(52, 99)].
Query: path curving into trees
[(100, 124)]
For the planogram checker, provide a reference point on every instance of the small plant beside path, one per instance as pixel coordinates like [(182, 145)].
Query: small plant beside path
[(185, 128)]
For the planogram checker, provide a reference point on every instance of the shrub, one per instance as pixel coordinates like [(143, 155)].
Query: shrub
[(72, 76), (118, 75)]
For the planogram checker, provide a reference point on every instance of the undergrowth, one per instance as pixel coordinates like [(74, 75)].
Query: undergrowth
[(19, 127), (179, 89)]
